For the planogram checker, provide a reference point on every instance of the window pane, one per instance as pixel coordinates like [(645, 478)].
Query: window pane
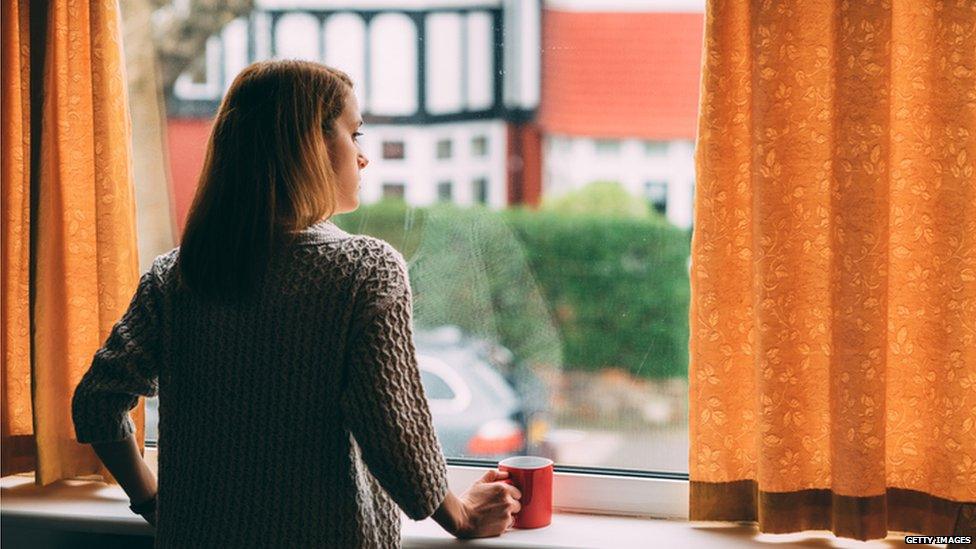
[(444, 190), (393, 150), (394, 191), (481, 190), (655, 148), (479, 146), (607, 146), (443, 149), (548, 254)]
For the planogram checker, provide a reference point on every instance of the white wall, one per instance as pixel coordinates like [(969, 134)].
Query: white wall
[(373, 4), (571, 162), (392, 87), (421, 170)]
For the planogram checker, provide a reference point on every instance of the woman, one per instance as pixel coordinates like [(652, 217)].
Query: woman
[(291, 412)]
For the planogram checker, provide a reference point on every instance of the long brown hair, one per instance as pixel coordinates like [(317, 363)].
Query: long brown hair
[(266, 174)]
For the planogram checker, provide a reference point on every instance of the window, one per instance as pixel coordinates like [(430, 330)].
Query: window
[(480, 190), (562, 145), (656, 193), (394, 191), (443, 149), (393, 150), (479, 146), (607, 146), (655, 148), (598, 328), (444, 191)]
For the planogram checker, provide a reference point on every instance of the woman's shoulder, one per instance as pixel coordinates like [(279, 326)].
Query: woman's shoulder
[(164, 264), (382, 268)]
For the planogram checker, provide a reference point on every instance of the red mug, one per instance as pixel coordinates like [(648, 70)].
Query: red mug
[(533, 477)]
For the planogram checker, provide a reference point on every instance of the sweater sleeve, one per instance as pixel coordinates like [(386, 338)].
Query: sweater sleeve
[(383, 401), (122, 370)]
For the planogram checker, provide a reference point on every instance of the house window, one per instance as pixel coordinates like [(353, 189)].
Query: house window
[(479, 146), (655, 148), (394, 191), (444, 191), (481, 190), (444, 149), (656, 193), (393, 150), (608, 146), (562, 145)]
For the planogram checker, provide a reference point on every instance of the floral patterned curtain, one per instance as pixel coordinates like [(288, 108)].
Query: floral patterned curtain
[(78, 248), (833, 347)]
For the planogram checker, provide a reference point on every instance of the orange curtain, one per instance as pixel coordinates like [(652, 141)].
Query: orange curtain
[(833, 317), (83, 245), (15, 400)]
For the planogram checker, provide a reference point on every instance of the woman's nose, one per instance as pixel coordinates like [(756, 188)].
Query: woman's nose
[(363, 161)]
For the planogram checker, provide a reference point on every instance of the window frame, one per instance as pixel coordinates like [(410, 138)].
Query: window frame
[(586, 490)]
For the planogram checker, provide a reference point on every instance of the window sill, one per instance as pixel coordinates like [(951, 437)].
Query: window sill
[(94, 507), (77, 506)]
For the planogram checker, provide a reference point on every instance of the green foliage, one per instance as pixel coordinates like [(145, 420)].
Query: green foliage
[(580, 291), (604, 198)]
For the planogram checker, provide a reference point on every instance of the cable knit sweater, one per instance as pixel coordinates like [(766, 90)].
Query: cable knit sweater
[(293, 419)]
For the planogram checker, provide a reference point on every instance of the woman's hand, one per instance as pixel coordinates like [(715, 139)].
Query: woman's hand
[(489, 506)]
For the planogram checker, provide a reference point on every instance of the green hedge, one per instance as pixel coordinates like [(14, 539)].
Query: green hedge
[(573, 291)]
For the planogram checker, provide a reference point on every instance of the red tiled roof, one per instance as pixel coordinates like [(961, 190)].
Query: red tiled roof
[(620, 75)]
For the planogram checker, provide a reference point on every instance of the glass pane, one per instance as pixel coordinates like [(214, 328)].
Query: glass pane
[(607, 146), (444, 190), (655, 148), (481, 190), (393, 150), (479, 146), (548, 254), (444, 149), (394, 190)]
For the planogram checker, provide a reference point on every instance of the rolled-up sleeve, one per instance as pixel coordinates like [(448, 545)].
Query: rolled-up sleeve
[(122, 370), (383, 400)]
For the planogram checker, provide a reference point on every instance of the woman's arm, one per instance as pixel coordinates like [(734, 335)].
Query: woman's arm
[(451, 515), (122, 370), (123, 460)]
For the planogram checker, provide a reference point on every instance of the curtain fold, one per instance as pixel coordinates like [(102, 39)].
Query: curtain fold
[(15, 400), (83, 249), (833, 318)]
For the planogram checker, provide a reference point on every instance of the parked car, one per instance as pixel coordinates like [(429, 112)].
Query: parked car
[(481, 407)]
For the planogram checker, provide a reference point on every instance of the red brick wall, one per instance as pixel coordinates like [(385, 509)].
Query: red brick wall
[(187, 140)]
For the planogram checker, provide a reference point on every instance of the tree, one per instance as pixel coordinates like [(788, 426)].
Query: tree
[(181, 29), (161, 40)]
